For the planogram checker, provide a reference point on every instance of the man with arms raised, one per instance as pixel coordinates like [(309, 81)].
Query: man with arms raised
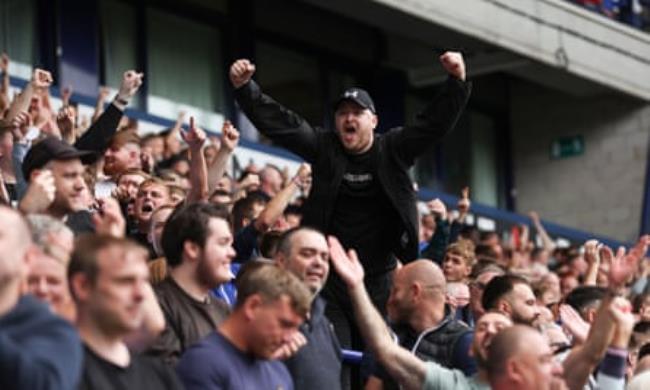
[(271, 305), (303, 251), (361, 189), (423, 323), (412, 373)]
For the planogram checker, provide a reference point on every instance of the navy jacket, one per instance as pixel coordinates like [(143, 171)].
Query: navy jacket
[(38, 350)]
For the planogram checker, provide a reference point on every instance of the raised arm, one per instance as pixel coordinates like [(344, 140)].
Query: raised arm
[(583, 360), (275, 208), (404, 367), (549, 245), (195, 138), (99, 105), (100, 133), (439, 117), (592, 257), (229, 141), (41, 81), (283, 126), (4, 83)]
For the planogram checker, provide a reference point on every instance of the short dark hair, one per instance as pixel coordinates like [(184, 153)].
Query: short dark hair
[(642, 327), (585, 297), (484, 267), (638, 301), (498, 287), (188, 223), (485, 253), (293, 209), (284, 245), (243, 208), (269, 243), (84, 256)]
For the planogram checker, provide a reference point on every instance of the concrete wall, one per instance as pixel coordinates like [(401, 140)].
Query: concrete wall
[(551, 32), (600, 191)]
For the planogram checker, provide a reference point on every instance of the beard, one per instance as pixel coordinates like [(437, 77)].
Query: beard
[(206, 275)]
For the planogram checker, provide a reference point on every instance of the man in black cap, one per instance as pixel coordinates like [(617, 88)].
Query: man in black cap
[(361, 190), (55, 171)]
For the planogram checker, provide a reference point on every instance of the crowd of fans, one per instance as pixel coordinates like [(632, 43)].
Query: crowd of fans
[(131, 262), (635, 13)]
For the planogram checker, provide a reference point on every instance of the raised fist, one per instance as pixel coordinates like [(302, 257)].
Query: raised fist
[(229, 136), (131, 82), (241, 72), (454, 64), (438, 208), (41, 79)]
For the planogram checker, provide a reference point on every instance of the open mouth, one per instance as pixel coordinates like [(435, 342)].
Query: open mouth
[(349, 130), (147, 208), (314, 275)]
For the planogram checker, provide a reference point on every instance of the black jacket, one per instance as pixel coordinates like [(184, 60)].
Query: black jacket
[(396, 152)]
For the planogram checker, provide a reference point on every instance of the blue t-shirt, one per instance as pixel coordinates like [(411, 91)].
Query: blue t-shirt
[(215, 363)]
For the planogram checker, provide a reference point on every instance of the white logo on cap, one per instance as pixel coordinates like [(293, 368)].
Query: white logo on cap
[(351, 94)]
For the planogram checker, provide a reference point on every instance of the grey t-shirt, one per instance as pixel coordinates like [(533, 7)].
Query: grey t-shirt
[(440, 378)]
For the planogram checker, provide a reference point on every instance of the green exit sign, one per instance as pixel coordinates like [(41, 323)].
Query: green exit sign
[(567, 147)]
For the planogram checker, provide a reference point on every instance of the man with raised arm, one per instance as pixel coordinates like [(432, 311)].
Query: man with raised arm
[(521, 347), (361, 190)]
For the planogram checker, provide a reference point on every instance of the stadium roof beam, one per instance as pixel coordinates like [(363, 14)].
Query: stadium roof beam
[(563, 41)]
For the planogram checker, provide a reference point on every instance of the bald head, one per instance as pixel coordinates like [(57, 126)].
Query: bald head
[(423, 271), (505, 345), (14, 241), (520, 357), (417, 296)]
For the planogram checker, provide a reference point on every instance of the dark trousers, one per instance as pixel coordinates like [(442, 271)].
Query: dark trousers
[(340, 312)]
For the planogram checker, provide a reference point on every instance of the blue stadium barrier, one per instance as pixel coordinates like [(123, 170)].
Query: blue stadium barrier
[(351, 356)]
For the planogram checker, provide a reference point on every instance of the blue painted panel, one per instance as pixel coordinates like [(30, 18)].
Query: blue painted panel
[(78, 39)]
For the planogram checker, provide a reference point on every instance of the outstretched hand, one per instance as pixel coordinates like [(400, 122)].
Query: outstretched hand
[(454, 64), (592, 251), (438, 208), (573, 323), (624, 265), (347, 265), (241, 72)]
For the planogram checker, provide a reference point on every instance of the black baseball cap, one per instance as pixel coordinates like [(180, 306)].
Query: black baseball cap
[(357, 95), (52, 148)]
